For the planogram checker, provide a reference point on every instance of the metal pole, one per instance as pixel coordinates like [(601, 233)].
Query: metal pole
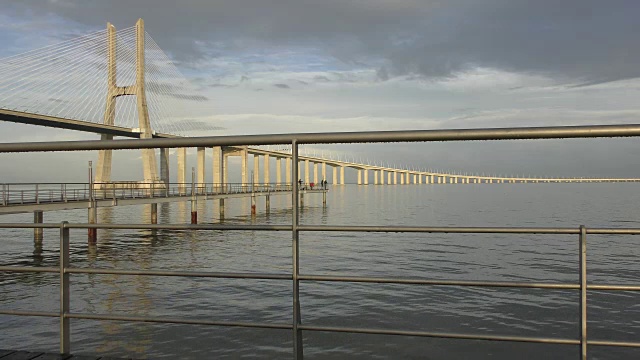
[(297, 333), (583, 292), (65, 329)]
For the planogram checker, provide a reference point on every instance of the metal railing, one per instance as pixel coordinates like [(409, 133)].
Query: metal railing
[(65, 270), (296, 326), (45, 193)]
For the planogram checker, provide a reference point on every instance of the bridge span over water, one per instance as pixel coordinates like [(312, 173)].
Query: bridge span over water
[(154, 103)]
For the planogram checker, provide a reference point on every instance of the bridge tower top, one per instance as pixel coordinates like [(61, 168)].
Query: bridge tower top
[(103, 171)]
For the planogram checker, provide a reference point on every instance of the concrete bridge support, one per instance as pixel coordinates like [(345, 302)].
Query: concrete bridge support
[(359, 177), (278, 171), (256, 170), (201, 170), (164, 167), (287, 171), (181, 154), (389, 174), (335, 175), (381, 177), (341, 175), (307, 175), (365, 174), (324, 171), (218, 167), (315, 173), (375, 177), (267, 170), (244, 163)]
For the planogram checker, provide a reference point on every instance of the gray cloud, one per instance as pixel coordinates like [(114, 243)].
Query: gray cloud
[(588, 41), (282, 86)]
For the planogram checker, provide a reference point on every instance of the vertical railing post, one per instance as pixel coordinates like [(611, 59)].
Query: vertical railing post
[(583, 292), (65, 329), (37, 198), (298, 352)]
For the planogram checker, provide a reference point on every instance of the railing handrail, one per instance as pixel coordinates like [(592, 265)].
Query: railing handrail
[(66, 270)]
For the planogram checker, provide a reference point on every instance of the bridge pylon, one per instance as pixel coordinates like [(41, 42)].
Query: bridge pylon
[(150, 169)]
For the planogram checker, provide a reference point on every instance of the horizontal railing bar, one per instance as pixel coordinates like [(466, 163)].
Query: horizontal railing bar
[(427, 229), (332, 228), (179, 227), (29, 225), (613, 287), (551, 132), (407, 281), (612, 231), (613, 343), (228, 275), (178, 321), (29, 313), (439, 335), (32, 269)]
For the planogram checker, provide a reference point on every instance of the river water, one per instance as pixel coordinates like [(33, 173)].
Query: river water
[(518, 312)]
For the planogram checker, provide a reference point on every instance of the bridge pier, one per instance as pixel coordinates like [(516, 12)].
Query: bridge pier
[(37, 232), (341, 175), (359, 177), (164, 168), (201, 170), (307, 177), (256, 170), (375, 177), (365, 174), (182, 170), (244, 160), (335, 175), (315, 173), (278, 171), (267, 175), (324, 171)]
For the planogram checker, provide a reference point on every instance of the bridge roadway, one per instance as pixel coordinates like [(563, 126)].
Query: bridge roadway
[(24, 198), (405, 176)]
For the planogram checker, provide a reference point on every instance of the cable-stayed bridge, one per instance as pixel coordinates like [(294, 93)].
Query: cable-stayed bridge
[(121, 83)]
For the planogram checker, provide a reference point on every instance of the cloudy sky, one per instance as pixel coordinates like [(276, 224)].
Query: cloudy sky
[(269, 66)]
